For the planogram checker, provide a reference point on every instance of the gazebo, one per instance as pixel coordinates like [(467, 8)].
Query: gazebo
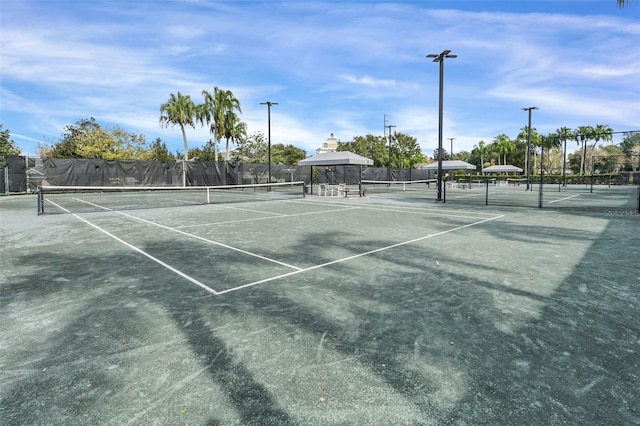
[(336, 158), (507, 168), (451, 165)]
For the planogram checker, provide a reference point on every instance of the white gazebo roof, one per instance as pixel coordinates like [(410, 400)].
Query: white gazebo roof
[(502, 169), (338, 158), (451, 165)]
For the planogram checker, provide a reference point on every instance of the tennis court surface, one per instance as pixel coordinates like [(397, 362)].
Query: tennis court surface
[(385, 309)]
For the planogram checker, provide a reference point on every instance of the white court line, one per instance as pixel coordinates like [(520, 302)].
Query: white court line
[(562, 199), (91, 204), (250, 210), (423, 212), (358, 255), (208, 241), (296, 271), (190, 235), (433, 211), (266, 218), (142, 252)]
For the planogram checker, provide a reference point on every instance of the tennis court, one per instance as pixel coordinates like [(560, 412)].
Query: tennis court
[(384, 309)]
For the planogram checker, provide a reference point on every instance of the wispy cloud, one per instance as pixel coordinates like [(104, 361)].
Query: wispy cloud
[(333, 67)]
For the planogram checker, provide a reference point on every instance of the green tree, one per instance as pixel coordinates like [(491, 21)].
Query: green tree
[(369, 146), (87, 139), (550, 142), (158, 151), (7, 146), (503, 145), (252, 149), (564, 134), (405, 151), (206, 153), (582, 135), (534, 143), (286, 154), (630, 145), (600, 132), (179, 110), (481, 150), (219, 112)]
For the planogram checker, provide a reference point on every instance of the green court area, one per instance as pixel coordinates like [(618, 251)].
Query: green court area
[(298, 310)]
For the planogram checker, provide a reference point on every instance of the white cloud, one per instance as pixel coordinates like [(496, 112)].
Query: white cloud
[(333, 67)]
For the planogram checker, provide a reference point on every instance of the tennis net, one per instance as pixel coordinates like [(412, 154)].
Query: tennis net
[(397, 185), (80, 199)]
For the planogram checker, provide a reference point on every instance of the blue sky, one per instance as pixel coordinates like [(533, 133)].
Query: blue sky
[(333, 67)]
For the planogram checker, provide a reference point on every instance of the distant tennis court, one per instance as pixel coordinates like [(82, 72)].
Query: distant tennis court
[(275, 306)]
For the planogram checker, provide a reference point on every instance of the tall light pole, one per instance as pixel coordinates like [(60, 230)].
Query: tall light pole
[(451, 153), (440, 58), (268, 104), (527, 157), (564, 134), (389, 166)]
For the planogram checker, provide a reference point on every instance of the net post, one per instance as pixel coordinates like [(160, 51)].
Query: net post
[(208, 196), (541, 175), (304, 190), (40, 201), (444, 191), (486, 194)]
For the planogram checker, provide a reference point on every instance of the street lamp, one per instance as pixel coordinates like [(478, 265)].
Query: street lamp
[(527, 157), (440, 58), (451, 153), (389, 166), (268, 104)]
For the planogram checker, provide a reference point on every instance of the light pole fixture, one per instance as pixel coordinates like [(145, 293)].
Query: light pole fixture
[(528, 156), (268, 104), (389, 166), (440, 58)]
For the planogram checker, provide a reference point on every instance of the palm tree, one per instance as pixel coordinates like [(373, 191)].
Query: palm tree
[(582, 135), (180, 110), (216, 106), (564, 133), (550, 141), (504, 146), (234, 131), (600, 131), (217, 112), (481, 150)]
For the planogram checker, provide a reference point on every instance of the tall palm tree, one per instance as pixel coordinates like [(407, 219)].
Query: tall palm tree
[(601, 131), (216, 106), (583, 134), (481, 150), (217, 112), (182, 111), (564, 133), (504, 146), (234, 131), (550, 141)]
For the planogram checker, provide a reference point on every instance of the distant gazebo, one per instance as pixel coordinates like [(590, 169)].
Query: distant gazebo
[(502, 169)]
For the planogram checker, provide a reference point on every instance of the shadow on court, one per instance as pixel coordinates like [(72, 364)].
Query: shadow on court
[(509, 322)]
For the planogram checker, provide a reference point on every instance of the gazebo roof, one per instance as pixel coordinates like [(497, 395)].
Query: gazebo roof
[(502, 169), (337, 158), (451, 165)]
